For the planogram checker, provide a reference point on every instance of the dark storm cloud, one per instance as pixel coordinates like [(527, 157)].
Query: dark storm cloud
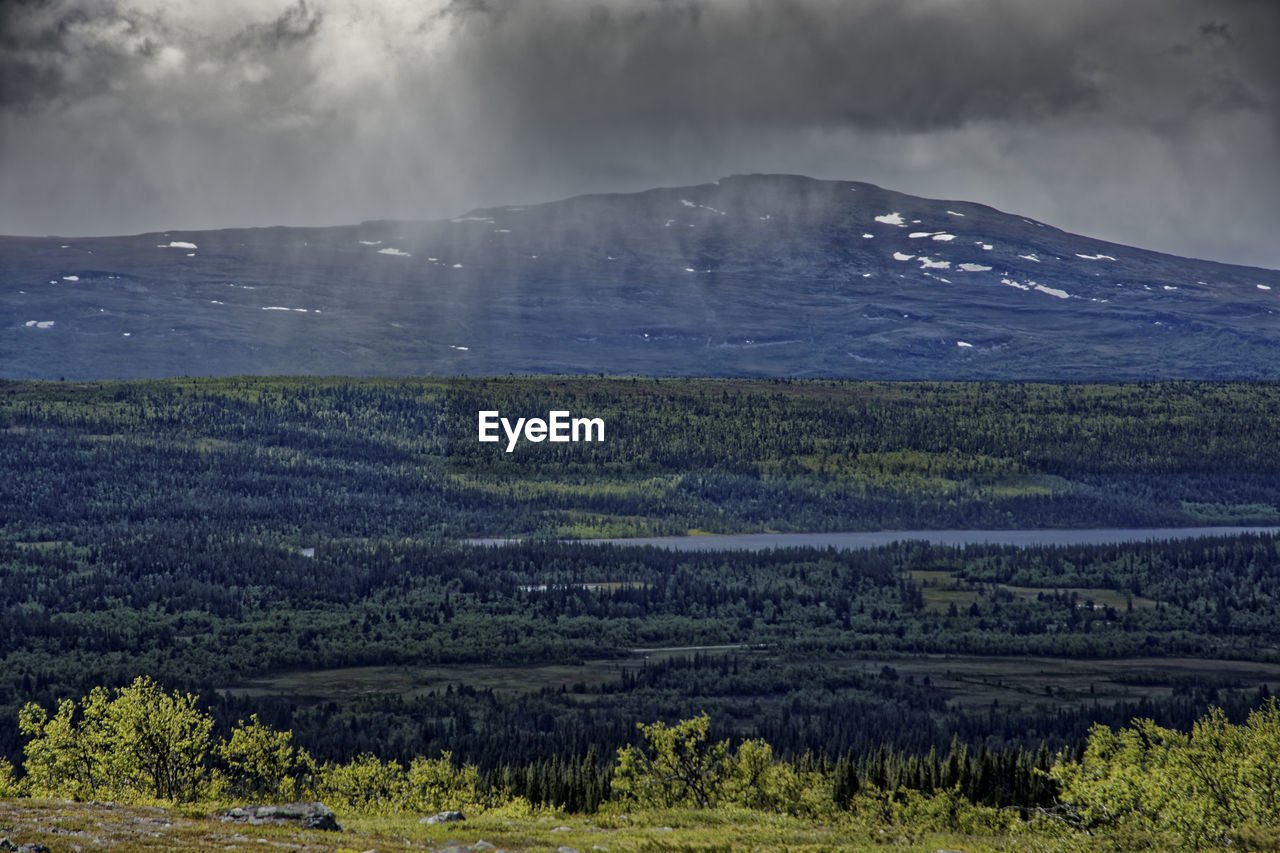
[(877, 65), (44, 60), (1151, 121)]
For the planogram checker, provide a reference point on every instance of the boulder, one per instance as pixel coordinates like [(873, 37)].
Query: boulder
[(444, 817), (306, 815), (6, 844)]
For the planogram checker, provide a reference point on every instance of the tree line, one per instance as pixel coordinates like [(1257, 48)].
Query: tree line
[(1216, 785)]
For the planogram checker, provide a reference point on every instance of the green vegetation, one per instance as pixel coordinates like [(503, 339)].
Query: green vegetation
[(533, 651), (141, 741), (299, 460), (286, 555), (1217, 786)]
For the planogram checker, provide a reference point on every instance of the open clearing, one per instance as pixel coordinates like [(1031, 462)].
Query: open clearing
[(970, 682), (942, 589), (975, 681), (351, 682)]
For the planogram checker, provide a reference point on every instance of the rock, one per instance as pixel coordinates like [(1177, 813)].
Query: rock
[(483, 845), (565, 849), (7, 845), (444, 817), (306, 815), (561, 829)]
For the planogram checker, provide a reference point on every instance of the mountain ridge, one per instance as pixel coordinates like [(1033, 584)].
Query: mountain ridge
[(768, 275)]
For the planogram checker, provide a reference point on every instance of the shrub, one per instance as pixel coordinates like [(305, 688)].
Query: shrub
[(10, 785), (133, 743), (1197, 787), (436, 784), (677, 766), (366, 785), (263, 764)]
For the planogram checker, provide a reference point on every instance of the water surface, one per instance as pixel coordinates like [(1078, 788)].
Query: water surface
[(871, 539)]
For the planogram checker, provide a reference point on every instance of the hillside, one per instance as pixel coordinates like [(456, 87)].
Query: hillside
[(759, 275)]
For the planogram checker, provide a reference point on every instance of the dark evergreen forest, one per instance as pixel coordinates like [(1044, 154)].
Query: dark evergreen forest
[(291, 547)]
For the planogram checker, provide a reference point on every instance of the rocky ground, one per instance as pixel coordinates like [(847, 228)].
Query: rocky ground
[(36, 825), (59, 826)]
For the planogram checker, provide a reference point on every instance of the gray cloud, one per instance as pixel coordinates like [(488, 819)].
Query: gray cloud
[(1150, 121)]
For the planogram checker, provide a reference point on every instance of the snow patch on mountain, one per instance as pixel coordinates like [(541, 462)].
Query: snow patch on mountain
[(688, 203)]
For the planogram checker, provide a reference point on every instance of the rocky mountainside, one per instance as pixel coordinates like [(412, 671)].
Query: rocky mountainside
[(768, 275)]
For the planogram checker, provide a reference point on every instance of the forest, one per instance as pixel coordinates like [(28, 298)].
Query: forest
[(294, 551), (295, 460)]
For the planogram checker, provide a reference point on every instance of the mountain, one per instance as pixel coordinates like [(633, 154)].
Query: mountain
[(769, 275)]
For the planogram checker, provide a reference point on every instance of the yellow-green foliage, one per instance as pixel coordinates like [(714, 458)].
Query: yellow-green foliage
[(680, 766), (263, 764), (947, 810), (436, 784), (1201, 788), (130, 744), (366, 784), (370, 786), (677, 766), (755, 780), (10, 785)]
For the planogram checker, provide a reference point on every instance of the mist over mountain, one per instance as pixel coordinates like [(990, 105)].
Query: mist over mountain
[(760, 275)]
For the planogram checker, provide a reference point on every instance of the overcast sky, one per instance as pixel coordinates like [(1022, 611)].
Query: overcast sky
[(1150, 122)]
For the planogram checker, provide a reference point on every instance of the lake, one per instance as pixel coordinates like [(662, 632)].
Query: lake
[(871, 539)]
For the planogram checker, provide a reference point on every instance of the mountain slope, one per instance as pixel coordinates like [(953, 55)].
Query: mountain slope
[(768, 275)]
